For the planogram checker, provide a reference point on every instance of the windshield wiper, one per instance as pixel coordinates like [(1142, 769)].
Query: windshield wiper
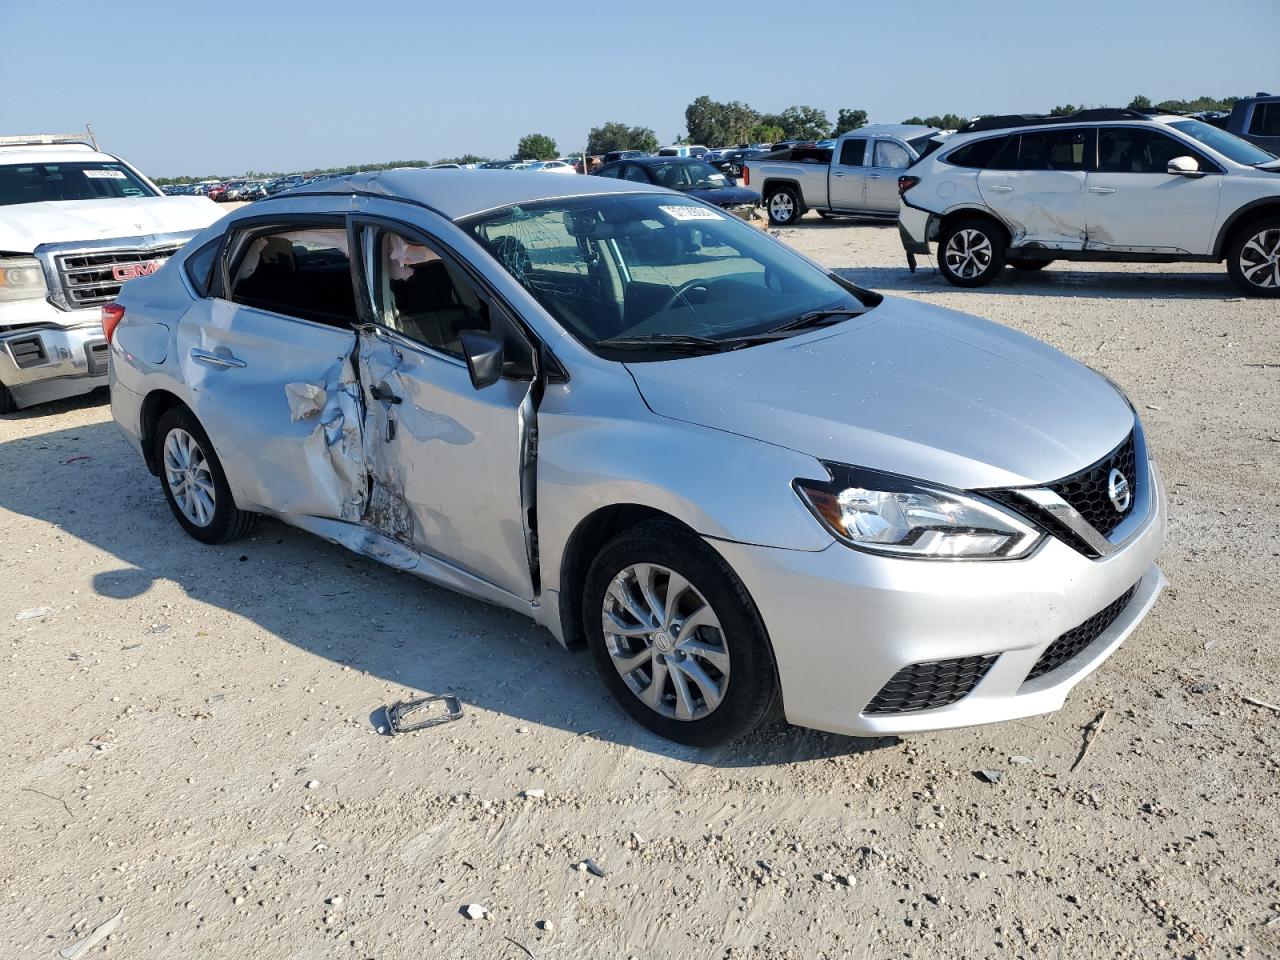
[(816, 318), (665, 341)]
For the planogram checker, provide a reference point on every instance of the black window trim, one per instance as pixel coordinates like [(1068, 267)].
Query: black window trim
[(203, 288), (867, 142), (946, 156), (236, 242), (1207, 164)]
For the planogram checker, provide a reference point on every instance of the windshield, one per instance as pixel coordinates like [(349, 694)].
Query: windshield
[(1227, 144), (651, 265), (43, 182), (689, 175)]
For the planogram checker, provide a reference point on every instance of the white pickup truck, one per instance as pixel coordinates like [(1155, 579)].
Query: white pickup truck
[(857, 177), (75, 224)]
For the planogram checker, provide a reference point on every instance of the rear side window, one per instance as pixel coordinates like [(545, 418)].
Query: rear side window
[(610, 172), (199, 266), (634, 172), (852, 153), (977, 155), (1051, 150), (1266, 120), (303, 273)]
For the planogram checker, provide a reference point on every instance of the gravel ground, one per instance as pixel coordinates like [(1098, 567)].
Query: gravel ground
[(188, 734)]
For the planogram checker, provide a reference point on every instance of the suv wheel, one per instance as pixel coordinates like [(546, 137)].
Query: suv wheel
[(1253, 261), (971, 252), (784, 207), (676, 638), (194, 483)]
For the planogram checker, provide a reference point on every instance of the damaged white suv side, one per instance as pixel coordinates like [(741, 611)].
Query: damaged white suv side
[(75, 225), (1101, 185)]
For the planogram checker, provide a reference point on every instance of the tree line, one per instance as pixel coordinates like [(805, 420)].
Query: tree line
[(715, 124)]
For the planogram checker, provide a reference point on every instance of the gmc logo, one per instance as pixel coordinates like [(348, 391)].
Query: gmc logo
[(127, 271)]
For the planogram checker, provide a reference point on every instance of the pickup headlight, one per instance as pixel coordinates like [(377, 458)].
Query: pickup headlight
[(21, 278), (888, 514)]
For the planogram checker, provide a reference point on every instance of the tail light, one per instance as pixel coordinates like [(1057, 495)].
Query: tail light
[(112, 314), (746, 175), (906, 183)]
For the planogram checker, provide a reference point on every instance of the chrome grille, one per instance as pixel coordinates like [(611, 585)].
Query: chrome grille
[(88, 279)]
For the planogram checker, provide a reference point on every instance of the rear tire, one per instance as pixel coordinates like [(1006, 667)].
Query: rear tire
[(1253, 258), (193, 480), (694, 666), (1029, 266), (971, 252), (783, 204)]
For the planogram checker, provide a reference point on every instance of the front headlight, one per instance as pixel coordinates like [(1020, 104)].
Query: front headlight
[(884, 513), (21, 278)]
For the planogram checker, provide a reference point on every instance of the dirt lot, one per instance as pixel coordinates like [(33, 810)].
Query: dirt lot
[(188, 734)]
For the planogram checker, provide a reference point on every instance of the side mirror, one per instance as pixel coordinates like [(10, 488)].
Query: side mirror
[(1183, 167), (484, 357)]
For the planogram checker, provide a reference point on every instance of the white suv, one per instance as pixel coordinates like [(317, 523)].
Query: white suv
[(1098, 185)]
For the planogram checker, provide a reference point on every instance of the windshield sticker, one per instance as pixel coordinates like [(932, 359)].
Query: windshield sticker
[(690, 213), (104, 174)]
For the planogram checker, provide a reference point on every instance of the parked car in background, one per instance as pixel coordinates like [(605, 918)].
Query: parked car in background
[(860, 178), (685, 150), (550, 166), (1256, 119), (658, 432), (75, 225), (694, 177), (731, 162), (613, 156), (284, 183), (1101, 185)]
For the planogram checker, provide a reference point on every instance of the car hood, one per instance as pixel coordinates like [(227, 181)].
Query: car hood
[(906, 388), (726, 196), (25, 226)]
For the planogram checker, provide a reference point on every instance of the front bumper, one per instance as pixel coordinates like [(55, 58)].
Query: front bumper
[(43, 358), (843, 623)]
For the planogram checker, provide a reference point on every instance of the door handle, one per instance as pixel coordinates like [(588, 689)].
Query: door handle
[(380, 391), (212, 359), (873, 176), (1000, 188), (837, 174), (1102, 189)]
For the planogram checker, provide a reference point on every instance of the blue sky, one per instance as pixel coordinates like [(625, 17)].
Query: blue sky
[(222, 87)]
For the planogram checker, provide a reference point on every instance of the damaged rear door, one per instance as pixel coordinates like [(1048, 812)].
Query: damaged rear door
[(450, 466), (268, 359), (1036, 184)]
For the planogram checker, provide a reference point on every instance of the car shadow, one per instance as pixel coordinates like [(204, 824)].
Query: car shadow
[(335, 604), (1056, 280)]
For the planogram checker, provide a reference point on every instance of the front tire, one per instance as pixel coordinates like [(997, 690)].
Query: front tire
[(784, 207), (193, 480), (676, 637), (1253, 259), (971, 252)]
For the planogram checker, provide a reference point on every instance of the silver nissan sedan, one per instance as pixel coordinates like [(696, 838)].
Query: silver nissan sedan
[(739, 480)]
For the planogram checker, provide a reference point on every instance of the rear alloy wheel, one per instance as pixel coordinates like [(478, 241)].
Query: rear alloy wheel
[(194, 483), (784, 207), (1254, 258), (971, 253), (675, 636)]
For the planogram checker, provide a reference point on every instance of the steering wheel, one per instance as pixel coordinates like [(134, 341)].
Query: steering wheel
[(679, 293)]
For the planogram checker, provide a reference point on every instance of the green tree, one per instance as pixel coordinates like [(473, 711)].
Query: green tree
[(618, 136), (536, 146), (799, 123), (764, 133), (719, 124), (948, 121), (1140, 103), (1198, 105), (1065, 110), (848, 119)]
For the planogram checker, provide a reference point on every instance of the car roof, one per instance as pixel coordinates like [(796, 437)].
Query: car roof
[(457, 194), (904, 131), (53, 153), (662, 161)]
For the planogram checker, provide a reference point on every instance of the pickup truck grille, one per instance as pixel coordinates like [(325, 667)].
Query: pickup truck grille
[(90, 279)]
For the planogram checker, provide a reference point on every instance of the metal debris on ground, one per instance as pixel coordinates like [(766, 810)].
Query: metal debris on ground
[(1090, 734), (406, 716), (475, 911), (100, 933), (989, 776), (593, 867)]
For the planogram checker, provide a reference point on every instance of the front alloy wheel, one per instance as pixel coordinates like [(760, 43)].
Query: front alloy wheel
[(1254, 259), (676, 637), (666, 642)]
